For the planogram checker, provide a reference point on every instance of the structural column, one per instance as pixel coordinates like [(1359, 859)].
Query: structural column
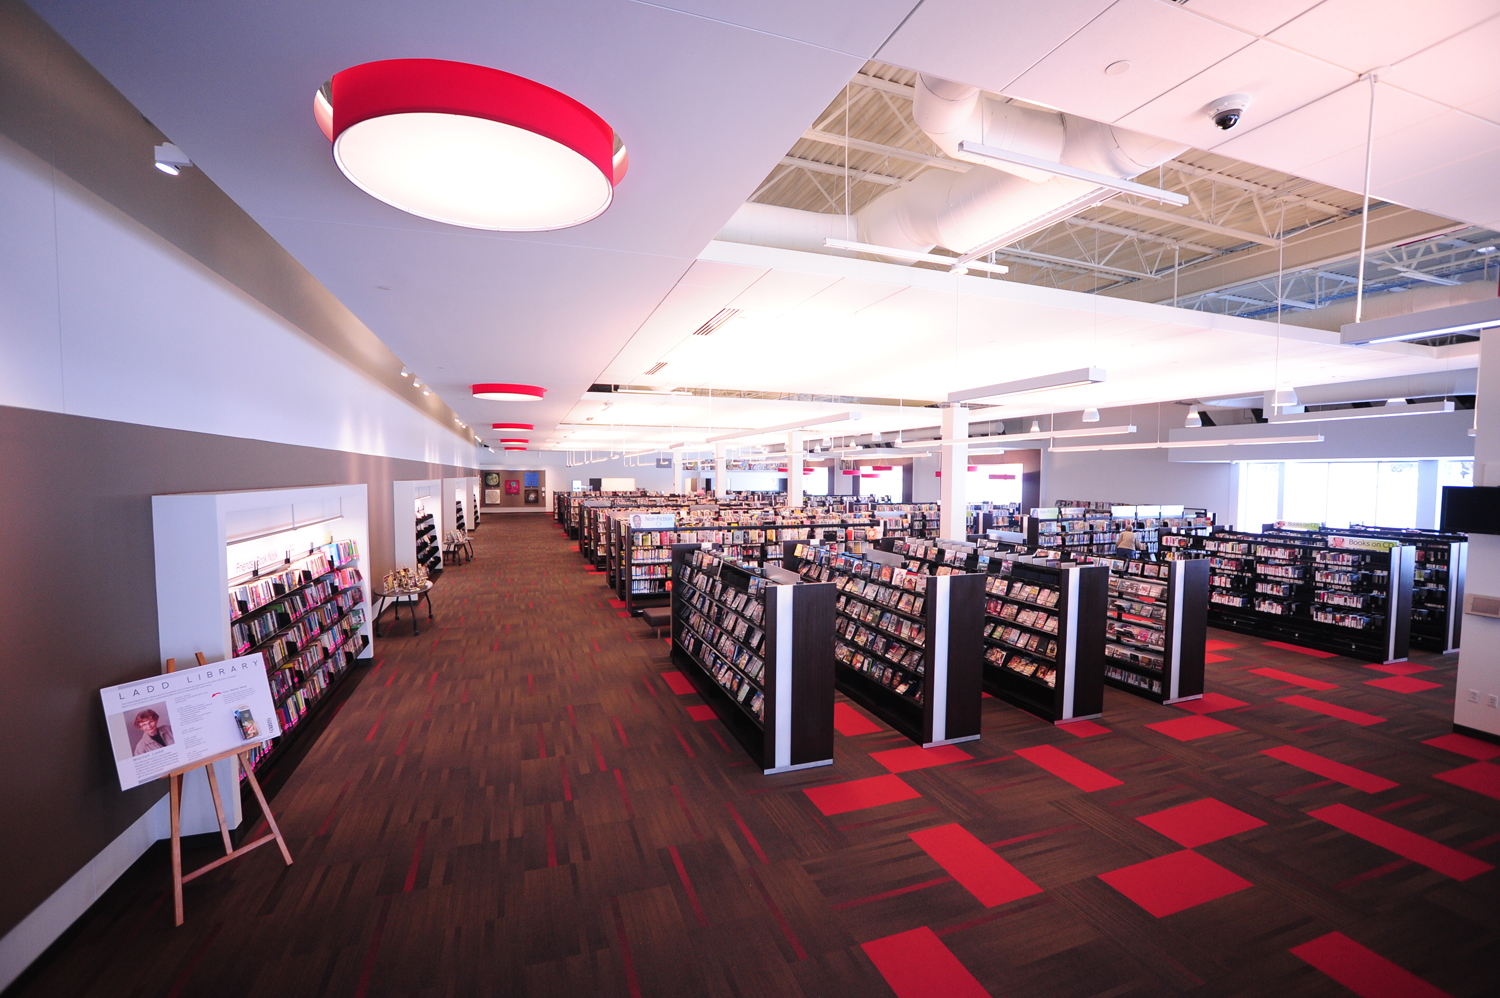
[(676, 471), (794, 469), (1477, 705), (721, 472), (955, 473)]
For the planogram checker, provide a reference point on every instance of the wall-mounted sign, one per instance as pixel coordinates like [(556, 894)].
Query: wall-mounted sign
[(177, 719)]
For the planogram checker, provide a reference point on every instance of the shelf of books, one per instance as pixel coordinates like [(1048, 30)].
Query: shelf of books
[(1334, 592), (283, 573), (1087, 531), (907, 644), (938, 557), (758, 644), (1044, 636), (1157, 627)]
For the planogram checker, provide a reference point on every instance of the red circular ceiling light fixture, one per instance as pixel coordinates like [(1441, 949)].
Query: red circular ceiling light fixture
[(514, 440), (512, 426), (469, 145), (513, 448), (496, 392)]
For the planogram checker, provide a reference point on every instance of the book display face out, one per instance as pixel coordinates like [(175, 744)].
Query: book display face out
[(1334, 592), (1044, 637), (758, 645), (906, 644)]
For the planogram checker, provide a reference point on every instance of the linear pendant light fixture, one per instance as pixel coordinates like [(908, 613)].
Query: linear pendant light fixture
[(470, 145), (498, 392), (1005, 440), (841, 417), (915, 256), (1445, 321), (1311, 438), (984, 152), (1041, 383), (1372, 412)]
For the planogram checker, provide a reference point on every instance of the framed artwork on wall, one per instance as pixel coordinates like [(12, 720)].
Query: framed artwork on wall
[(533, 497), (492, 479), (512, 487)]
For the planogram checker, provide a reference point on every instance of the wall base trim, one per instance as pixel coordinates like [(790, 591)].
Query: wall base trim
[(54, 916)]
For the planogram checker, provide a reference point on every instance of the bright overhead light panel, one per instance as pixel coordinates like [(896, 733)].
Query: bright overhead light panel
[(1386, 411), (469, 145), (1422, 325), (1041, 383)]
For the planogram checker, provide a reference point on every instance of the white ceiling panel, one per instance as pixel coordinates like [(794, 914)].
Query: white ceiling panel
[(1461, 71), (982, 43), (1163, 43), (777, 291), (1366, 34), (1277, 79), (1255, 16)]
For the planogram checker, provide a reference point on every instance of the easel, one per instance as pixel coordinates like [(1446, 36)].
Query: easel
[(174, 781)]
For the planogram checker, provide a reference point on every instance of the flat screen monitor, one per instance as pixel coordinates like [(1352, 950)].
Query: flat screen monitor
[(1471, 509)]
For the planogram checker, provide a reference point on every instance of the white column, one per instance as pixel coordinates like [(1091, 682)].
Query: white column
[(676, 471), (721, 471), (794, 469), (955, 472), (1479, 658)]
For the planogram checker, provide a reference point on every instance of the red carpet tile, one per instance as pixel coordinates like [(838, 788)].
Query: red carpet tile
[(679, 683), (1333, 710), (1057, 762), (1083, 729), (916, 964), (849, 722), (1400, 668), (1295, 680), (1186, 729), (1402, 684), (1363, 971), (618, 604), (701, 712), (903, 760), (1174, 882), (1408, 845), (1210, 702), (1217, 645), (855, 795), (1474, 748), (973, 864), (1299, 649), (1211, 659), (1347, 775), (1200, 822), (1480, 777)]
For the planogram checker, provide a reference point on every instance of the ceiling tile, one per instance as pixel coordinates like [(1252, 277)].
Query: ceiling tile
[(1460, 71), (1255, 16), (1277, 79), (1163, 43), (982, 43), (1366, 34)]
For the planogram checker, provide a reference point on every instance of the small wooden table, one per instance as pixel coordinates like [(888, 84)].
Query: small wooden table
[(395, 597)]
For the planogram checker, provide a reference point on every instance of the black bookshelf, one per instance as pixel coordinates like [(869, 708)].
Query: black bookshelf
[(906, 645), (1157, 628), (758, 645), (1044, 636)]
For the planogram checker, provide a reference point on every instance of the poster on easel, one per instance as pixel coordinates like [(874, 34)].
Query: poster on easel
[(177, 719)]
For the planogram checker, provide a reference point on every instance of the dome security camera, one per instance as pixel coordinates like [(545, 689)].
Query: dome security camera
[(1227, 111)]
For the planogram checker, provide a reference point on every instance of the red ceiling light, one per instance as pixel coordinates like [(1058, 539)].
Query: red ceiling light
[(514, 440), (495, 392), (882, 467), (469, 145), (513, 448), (512, 426)]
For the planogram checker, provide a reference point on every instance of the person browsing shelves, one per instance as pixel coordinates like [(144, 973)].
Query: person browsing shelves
[(1126, 544)]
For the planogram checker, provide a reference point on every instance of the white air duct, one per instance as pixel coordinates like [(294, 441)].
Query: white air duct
[(988, 205)]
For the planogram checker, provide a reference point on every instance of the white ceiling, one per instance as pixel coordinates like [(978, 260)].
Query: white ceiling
[(1437, 119), (708, 96)]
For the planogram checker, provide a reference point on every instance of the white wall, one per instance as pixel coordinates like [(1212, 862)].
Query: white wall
[(100, 317)]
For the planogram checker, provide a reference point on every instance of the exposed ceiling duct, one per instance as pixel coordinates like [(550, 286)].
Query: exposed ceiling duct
[(984, 207)]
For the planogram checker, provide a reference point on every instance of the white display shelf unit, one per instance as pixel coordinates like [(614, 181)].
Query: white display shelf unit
[(209, 543), (417, 506)]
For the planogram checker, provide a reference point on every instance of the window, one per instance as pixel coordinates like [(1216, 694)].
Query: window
[(885, 483), (815, 484), (1337, 493), (996, 483), (1262, 502)]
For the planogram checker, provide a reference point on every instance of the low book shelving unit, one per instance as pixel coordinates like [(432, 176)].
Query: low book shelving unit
[(1044, 636), (907, 645), (758, 644), (1157, 627)]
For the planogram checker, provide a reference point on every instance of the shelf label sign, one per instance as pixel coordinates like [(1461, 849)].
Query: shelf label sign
[(1296, 525), (174, 720), (1361, 543), (653, 521)]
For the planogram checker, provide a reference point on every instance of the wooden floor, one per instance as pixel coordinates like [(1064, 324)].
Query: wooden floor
[(516, 803)]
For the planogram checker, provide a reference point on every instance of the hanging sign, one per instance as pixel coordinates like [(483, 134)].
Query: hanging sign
[(1361, 543), (177, 719)]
